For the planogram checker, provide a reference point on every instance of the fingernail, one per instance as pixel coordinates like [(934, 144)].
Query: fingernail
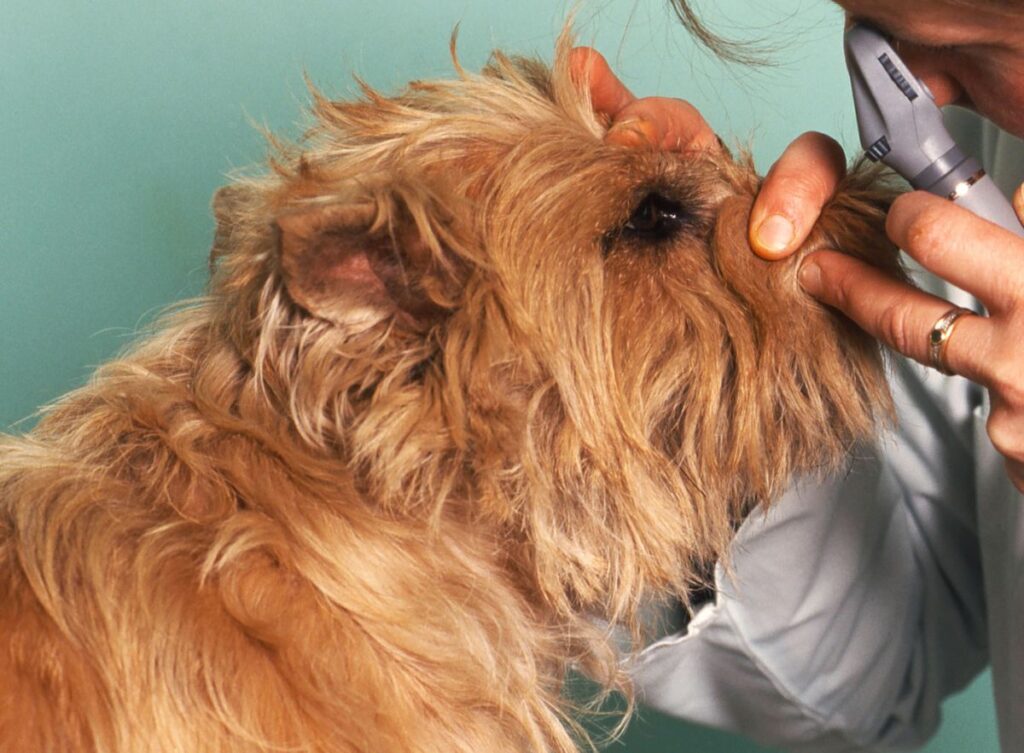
[(775, 234), (810, 277), (632, 133)]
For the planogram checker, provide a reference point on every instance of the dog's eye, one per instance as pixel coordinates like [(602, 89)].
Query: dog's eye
[(655, 218)]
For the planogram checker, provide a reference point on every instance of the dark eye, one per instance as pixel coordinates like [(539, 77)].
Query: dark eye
[(656, 218)]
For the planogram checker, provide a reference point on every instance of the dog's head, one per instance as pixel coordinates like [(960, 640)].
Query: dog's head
[(485, 311)]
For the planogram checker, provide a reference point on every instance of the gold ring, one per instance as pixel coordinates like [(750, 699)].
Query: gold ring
[(939, 335)]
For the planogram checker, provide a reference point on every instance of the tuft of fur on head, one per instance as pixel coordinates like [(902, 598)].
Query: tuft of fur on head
[(468, 384)]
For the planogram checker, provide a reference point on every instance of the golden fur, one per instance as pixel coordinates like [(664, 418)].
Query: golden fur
[(444, 412)]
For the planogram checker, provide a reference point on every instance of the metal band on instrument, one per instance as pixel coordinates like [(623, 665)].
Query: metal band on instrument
[(964, 186)]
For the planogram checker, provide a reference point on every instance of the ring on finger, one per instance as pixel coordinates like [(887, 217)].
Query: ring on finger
[(939, 336)]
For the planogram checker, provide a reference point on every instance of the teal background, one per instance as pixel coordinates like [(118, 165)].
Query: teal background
[(118, 119)]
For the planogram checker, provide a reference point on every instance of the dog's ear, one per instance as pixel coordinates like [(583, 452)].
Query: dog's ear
[(360, 262), (234, 207)]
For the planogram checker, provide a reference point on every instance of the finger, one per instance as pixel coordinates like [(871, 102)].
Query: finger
[(608, 95), (1015, 470), (894, 312), (793, 194), (664, 123), (660, 122), (1018, 202), (1005, 428), (933, 71), (981, 257)]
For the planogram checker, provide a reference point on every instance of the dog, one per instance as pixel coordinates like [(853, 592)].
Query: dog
[(469, 389)]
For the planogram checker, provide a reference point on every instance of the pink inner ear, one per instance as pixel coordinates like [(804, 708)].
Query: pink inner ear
[(353, 270), (336, 263), (329, 260)]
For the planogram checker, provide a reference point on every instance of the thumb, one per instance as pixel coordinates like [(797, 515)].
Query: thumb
[(608, 95)]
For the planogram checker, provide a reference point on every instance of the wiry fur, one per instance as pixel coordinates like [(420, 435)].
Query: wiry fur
[(384, 506)]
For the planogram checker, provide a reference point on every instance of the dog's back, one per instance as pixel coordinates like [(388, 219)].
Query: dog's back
[(175, 575)]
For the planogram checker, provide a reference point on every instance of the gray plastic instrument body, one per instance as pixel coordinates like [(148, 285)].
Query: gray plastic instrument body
[(901, 125)]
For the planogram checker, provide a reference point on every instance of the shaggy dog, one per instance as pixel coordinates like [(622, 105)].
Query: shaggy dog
[(468, 385)]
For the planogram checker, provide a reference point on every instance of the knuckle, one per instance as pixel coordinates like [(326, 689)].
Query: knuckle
[(820, 186), (896, 328)]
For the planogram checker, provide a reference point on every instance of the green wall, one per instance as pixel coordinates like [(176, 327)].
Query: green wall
[(118, 119)]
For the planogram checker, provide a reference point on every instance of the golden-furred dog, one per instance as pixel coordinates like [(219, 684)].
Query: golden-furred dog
[(468, 386)]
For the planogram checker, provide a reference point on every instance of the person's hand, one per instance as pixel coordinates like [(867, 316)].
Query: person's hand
[(659, 122), (973, 254), (959, 247), (949, 241), (794, 191)]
